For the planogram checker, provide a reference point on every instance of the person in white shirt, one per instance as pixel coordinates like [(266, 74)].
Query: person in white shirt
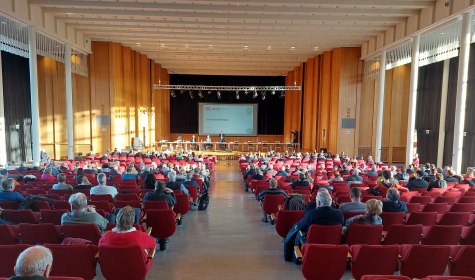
[(103, 188)]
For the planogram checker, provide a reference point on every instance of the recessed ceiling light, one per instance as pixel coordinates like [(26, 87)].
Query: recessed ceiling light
[(137, 43), (210, 46), (292, 48), (4, 22), (269, 48)]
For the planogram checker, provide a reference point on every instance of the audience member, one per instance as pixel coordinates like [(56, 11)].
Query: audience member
[(174, 185), (272, 190), (34, 263), (373, 209), (81, 213), (282, 172), (61, 185), (47, 176), (392, 203), (439, 182), (83, 183), (149, 182), (418, 182), (355, 176), (8, 193), (190, 182), (337, 177), (129, 174), (103, 188), (301, 182), (161, 193), (355, 205)]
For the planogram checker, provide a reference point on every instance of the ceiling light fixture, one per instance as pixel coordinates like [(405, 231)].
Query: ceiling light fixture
[(255, 94), (263, 95), (237, 94), (218, 94), (191, 94), (172, 93), (200, 94)]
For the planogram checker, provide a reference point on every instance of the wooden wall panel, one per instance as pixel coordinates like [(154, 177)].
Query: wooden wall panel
[(293, 104), (309, 112), (161, 102), (81, 114), (324, 101), (336, 69), (385, 140), (130, 99)]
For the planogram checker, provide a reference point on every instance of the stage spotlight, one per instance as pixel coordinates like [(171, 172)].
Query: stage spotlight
[(263, 95), (219, 94), (209, 91), (246, 92), (282, 94), (200, 94), (255, 94), (191, 94), (172, 93), (272, 92), (182, 91), (237, 94)]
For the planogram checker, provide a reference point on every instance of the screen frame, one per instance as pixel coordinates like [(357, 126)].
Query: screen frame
[(200, 118)]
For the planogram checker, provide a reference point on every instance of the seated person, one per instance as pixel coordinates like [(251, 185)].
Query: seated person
[(189, 181), (81, 213), (149, 182), (373, 210), (272, 190), (295, 201), (33, 263), (337, 177), (439, 182), (174, 185), (103, 188), (259, 175), (282, 172), (181, 175), (161, 193), (392, 203), (418, 182), (301, 182), (271, 171), (451, 177), (208, 143), (124, 233), (83, 183), (129, 173), (22, 167), (47, 175), (355, 176), (355, 205), (61, 185), (8, 193)]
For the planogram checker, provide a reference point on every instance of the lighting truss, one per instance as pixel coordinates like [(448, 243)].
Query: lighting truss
[(228, 88)]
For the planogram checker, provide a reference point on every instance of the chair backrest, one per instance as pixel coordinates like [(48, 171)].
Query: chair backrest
[(403, 234), (101, 197), (8, 256), (418, 261), (102, 205), (193, 192), (52, 216), (463, 207), (39, 234), (149, 204), (322, 261), (413, 207), (7, 236), (373, 259), (385, 277), (449, 200), (462, 262), (182, 204), (127, 197), (318, 234), (455, 218), (286, 219), (421, 199), (469, 237), (442, 277), (392, 218), (73, 260), (440, 208), (20, 216), (425, 219), (443, 235), (85, 231), (59, 204), (364, 234), (132, 264), (271, 203), (162, 221), (9, 204)]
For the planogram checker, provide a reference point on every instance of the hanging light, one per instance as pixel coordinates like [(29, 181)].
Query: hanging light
[(200, 94), (172, 93), (219, 94), (191, 94), (237, 94), (272, 92), (255, 94), (263, 95), (282, 94), (182, 91), (246, 92)]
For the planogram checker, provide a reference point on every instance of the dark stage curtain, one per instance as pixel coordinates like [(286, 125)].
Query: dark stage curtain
[(450, 111), (469, 140), (429, 92), (17, 106), (184, 110)]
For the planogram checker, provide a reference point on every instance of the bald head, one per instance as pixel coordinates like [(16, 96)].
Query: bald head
[(34, 261)]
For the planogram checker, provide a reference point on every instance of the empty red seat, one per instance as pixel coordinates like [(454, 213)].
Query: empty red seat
[(463, 207), (403, 234), (392, 218), (101, 197), (385, 277), (467, 199), (52, 216), (182, 206), (318, 234), (85, 231), (364, 234), (39, 234), (8, 256), (440, 208), (443, 235), (58, 204), (468, 235), (324, 261), (20, 216), (285, 219), (461, 263), (163, 225), (425, 219), (373, 259), (7, 236), (149, 204), (418, 261), (13, 205), (455, 218), (127, 197), (132, 266), (421, 199), (442, 277), (193, 192), (447, 199), (413, 207), (74, 260)]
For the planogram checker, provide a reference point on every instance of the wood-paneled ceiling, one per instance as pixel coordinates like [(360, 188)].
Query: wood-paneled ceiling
[(247, 37)]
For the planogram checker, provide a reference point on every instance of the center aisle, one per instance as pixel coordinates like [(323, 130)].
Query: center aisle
[(227, 241)]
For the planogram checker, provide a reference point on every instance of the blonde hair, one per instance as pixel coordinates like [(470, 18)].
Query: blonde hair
[(374, 207), (125, 218)]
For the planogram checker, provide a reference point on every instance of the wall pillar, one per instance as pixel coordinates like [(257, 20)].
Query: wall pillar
[(411, 119), (379, 121), (443, 113), (3, 140), (35, 113), (69, 100)]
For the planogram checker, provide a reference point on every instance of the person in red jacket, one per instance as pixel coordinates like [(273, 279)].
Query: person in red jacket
[(125, 233)]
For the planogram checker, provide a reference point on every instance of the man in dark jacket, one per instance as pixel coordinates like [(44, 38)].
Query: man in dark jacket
[(418, 182), (392, 204), (161, 193), (272, 190)]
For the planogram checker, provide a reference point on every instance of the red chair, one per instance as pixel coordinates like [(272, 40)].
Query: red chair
[(421, 199), (42, 205), (373, 259), (8, 256), (182, 206), (318, 234), (52, 216), (7, 236), (85, 231), (418, 261), (440, 277), (348, 215), (127, 197), (440, 208), (403, 234), (385, 277), (364, 234), (39, 234), (285, 219), (58, 204), (271, 205), (20, 216), (12, 205), (149, 204), (447, 199), (103, 205), (343, 199), (324, 261), (65, 278), (392, 218), (461, 263), (101, 197), (74, 260), (455, 218), (193, 192), (413, 207), (443, 235), (163, 225), (468, 235), (425, 219), (132, 266), (467, 199), (463, 207), (59, 192), (133, 203)]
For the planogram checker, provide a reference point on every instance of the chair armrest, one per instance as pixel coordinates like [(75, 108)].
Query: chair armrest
[(272, 216), (280, 207), (148, 230), (297, 253), (178, 216), (151, 254), (349, 256), (96, 256), (303, 233)]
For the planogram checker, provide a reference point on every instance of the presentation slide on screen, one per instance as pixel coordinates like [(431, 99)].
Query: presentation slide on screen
[(231, 119)]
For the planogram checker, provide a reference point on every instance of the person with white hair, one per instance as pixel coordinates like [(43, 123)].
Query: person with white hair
[(103, 188), (271, 171), (34, 263), (81, 213), (174, 185)]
